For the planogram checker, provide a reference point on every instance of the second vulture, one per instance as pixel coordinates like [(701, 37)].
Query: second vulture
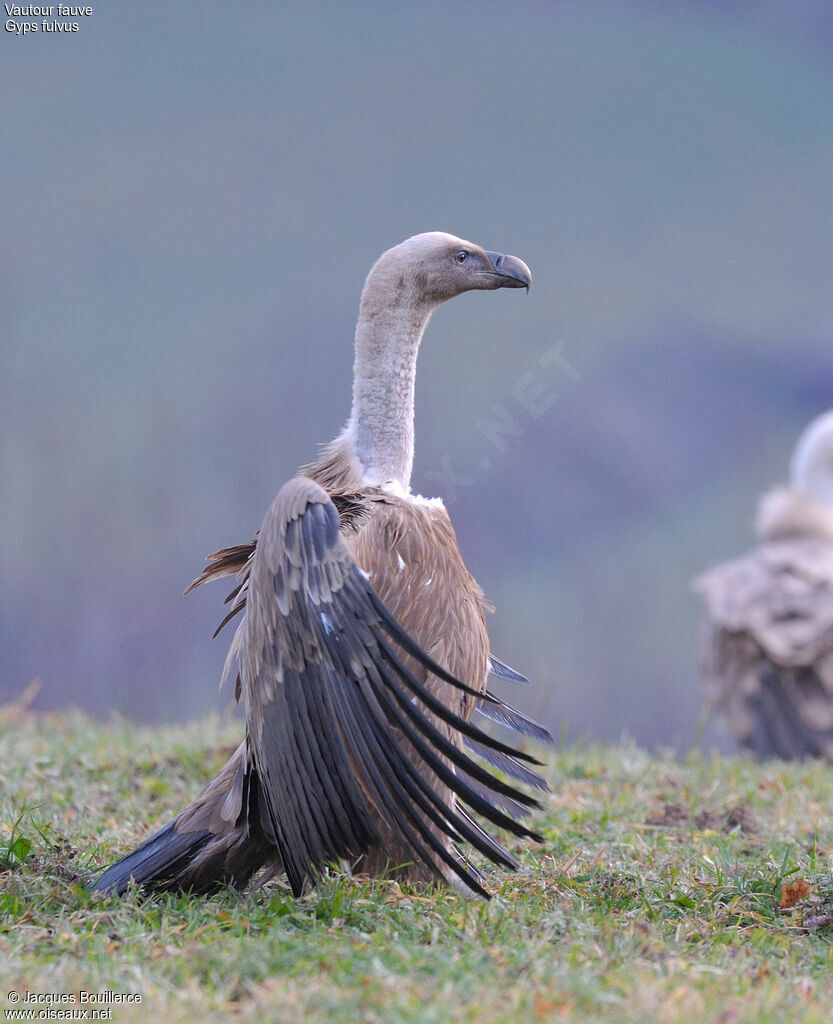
[(768, 631), (362, 653)]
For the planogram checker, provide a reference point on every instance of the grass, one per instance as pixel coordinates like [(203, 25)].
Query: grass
[(666, 890)]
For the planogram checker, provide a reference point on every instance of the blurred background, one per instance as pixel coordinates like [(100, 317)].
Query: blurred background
[(194, 195)]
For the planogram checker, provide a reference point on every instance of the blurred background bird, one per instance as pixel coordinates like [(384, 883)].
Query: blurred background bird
[(767, 655)]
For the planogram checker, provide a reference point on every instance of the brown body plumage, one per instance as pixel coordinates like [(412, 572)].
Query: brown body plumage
[(767, 646), (362, 651)]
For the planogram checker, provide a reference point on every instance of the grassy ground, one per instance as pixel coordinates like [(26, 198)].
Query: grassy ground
[(666, 890)]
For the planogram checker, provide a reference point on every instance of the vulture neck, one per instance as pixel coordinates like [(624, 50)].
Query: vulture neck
[(381, 425), (786, 513)]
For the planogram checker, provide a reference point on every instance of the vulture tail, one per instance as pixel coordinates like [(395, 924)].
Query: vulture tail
[(781, 729), (201, 850), (158, 863)]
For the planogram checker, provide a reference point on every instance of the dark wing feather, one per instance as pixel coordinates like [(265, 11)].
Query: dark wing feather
[(499, 711), (328, 703), (507, 764), (503, 671)]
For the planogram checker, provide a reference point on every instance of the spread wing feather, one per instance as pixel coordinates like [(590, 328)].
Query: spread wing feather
[(499, 711), (225, 562), (503, 671), (340, 730), (507, 764), (237, 560)]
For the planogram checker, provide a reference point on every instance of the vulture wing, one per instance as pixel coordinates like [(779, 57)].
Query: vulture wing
[(329, 703)]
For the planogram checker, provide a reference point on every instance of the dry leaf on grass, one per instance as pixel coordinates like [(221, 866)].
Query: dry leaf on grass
[(794, 892)]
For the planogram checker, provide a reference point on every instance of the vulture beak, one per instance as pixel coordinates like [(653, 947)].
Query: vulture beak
[(513, 273)]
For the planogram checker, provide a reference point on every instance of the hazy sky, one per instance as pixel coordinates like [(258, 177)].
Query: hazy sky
[(194, 196)]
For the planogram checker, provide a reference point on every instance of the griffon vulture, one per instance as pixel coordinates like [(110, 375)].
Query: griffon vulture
[(361, 654), (768, 631)]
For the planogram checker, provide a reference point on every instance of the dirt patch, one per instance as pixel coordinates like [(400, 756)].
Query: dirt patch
[(671, 816), (678, 816)]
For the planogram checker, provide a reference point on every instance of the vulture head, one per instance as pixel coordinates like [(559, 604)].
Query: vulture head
[(430, 268), (403, 288), (811, 468)]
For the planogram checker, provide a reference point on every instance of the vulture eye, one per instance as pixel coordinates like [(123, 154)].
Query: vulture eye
[(461, 256)]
